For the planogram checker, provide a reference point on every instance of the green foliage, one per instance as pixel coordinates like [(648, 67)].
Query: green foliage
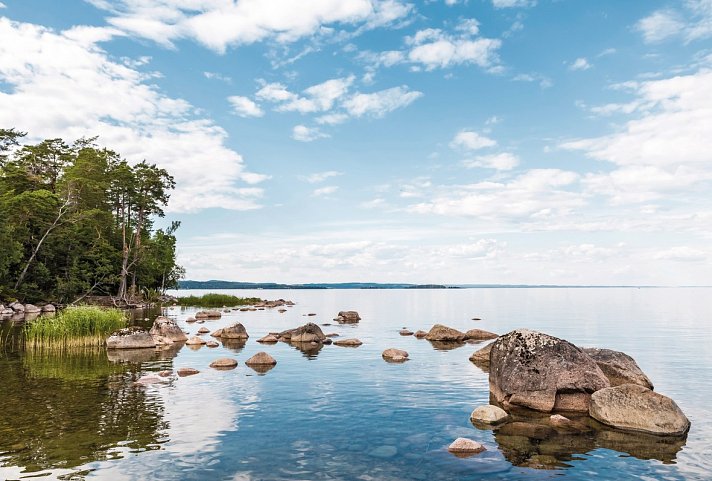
[(74, 327), (217, 300), (77, 220)]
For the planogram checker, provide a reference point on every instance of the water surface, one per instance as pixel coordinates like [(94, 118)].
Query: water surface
[(344, 413)]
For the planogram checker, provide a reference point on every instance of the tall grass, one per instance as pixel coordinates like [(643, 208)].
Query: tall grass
[(74, 327), (217, 300)]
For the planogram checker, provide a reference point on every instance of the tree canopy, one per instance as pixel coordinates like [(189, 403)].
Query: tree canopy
[(78, 220)]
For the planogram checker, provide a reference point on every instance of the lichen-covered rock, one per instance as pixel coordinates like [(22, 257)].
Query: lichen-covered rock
[(443, 333), (130, 338), (347, 317), (619, 367), (352, 342), (167, 329), (236, 331), (261, 359), (637, 408), (542, 372), (208, 315), (395, 355), (479, 335), (309, 332), (488, 414)]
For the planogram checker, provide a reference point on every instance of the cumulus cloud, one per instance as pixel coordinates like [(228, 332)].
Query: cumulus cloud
[(378, 104), (244, 107), (319, 177), (220, 24), (302, 133), (580, 63), (325, 191), (63, 85), (435, 48), (501, 161), (691, 22), (471, 140)]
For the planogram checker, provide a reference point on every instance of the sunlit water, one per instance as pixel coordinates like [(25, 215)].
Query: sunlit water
[(344, 413)]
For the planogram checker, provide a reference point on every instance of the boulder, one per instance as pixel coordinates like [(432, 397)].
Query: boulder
[(203, 330), (236, 331), (261, 359), (217, 333), (420, 334), (268, 339), (187, 371), (32, 309), (479, 335), (488, 414), (168, 329), (405, 332), (395, 355), (481, 358), (541, 372), (212, 343), (619, 367), (224, 363), (348, 342), (190, 320), (309, 332), (465, 446), (195, 341), (208, 315), (347, 317), (443, 333), (6, 312), (637, 408), (49, 308), (17, 307), (130, 338)]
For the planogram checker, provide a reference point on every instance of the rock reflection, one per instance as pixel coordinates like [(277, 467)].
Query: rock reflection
[(234, 345), (309, 349), (261, 369), (529, 440), (446, 345), (88, 408)]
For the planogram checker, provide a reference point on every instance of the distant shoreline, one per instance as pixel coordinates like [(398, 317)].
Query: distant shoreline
[(216, 284)]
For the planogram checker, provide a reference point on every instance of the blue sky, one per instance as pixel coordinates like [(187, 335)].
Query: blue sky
[(478, 141)]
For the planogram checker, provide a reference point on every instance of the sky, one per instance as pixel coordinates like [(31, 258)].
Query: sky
[(443, 141)]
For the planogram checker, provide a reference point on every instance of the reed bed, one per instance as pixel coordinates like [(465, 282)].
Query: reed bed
[(79, 326), (217, 300)]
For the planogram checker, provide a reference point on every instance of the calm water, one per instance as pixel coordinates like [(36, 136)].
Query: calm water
[(343, 413)]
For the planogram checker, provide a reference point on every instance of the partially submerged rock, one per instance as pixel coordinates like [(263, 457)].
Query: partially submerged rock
[(541, 372), (187, 371), (395, 355), (212, 344), (32, 309), (167, 329), (637, 408), (465, 446), (203, 330), (619, 367), (224, 363), (268, 339), (236, 331), (195, 341), (481, 358), (405, 332), (352, 342), (261, 359), (446, 334), (309, 332), (130, 338), (208, 315), (347, 317), (217, 333), (479, 335), (420, 334), (488, 414)]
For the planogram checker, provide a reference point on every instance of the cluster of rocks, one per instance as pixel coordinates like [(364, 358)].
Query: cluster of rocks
[(275, 303), (15, 308)]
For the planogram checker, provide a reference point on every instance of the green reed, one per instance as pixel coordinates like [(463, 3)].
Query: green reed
[(75, 327), (217, 300)]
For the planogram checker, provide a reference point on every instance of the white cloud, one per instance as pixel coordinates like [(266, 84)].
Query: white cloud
[(692, 22), (480, 249), (501, 161), (377, 104), (217, 76), (64, 86), (471, 140), (580, 64), (244, 107), (433, 48), (660, 25), (2, 5), (319, 177), (302, 133), (682, 254), (325, 191), (218, 24), (332, 119), (513, 3), (318, 98)]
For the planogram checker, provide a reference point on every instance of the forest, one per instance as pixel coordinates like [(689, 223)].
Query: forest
[(77, 220)]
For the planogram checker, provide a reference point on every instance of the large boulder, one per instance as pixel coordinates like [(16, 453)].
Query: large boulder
[(17, 307), (130, 338), (443, 333), (49, 308), (309, 332), (208, 315), (619, 367), (261, 359), (167, 329), (479, 335), (541, 372), (32, 309), (637, 408), (347, 317), (236, 331)]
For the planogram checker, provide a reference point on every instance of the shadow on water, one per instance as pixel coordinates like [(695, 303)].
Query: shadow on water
[(529, 440), (89, 407)]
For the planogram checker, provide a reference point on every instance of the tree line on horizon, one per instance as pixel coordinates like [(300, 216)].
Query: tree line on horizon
[(77, 220)]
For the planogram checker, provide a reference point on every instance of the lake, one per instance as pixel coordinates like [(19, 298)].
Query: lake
[(343, 413)]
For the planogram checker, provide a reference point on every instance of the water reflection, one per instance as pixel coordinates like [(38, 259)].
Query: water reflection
[(446, 345), (309, 349), (233, 345), (88, 408)]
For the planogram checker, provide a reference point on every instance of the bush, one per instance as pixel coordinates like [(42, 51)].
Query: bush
[(75, 326), (217, 300)]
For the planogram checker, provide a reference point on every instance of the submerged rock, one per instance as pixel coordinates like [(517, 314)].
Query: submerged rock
[(130, 338), (405, 332), (489, 414), (236, 331), (347, 317), (637, 408), (443, 333), (421, 334), (395, 355), (212, 344), (619, 367), (167, 329), (542, 372)]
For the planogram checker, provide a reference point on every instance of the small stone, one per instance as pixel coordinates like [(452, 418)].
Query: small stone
[(405, 332), (212, 343), (465, 446), (208, 315), (311, 314), (203, 330), (195, 341), (282, 311), (352, 342), (190, 320), (187, 371), (395, 355), (421, 334), (332, 334), (488, 414), (268, 339), (224, 363)]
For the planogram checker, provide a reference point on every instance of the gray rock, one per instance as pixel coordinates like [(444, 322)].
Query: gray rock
[(443, 333), (619, 367), (309, 332), (481, 358), (542, 372), (49, 308), (465, 446), (488, 414), (32, 309), (347, 317), (168, 329), (130, 338), (637, 408), (17, 307)]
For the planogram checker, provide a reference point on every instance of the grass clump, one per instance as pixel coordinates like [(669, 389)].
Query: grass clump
[(75, 327), (217, 300)]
